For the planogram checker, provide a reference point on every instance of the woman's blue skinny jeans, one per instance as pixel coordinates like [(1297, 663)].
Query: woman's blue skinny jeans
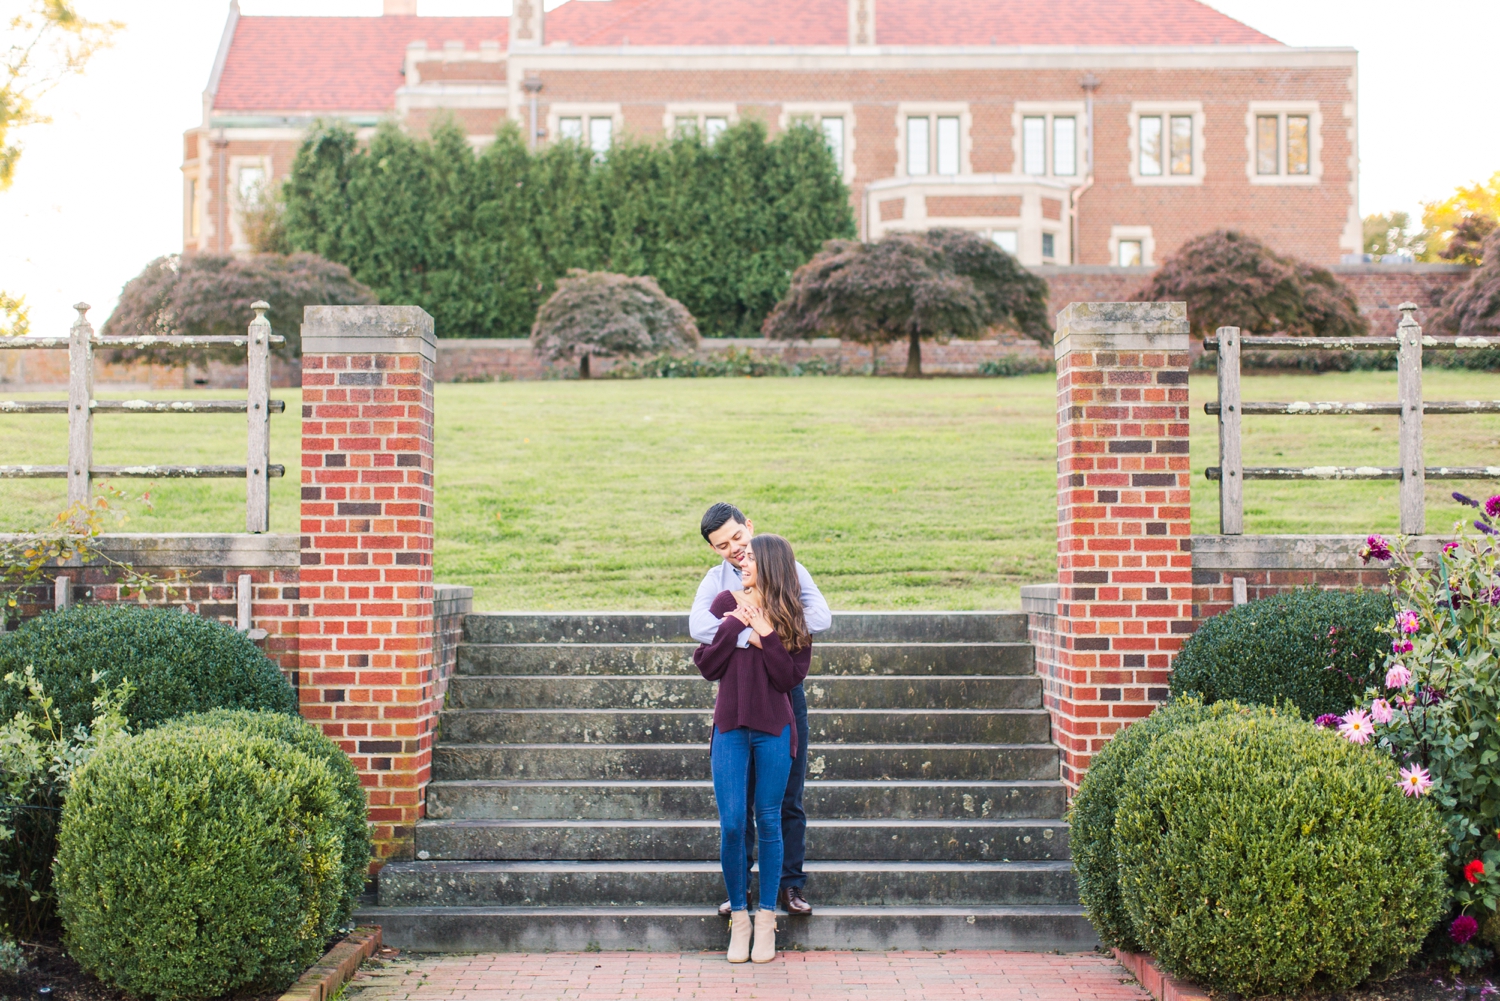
[(733, 755)]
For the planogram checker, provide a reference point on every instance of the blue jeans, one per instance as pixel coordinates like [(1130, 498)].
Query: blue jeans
[(735, 756), (793, 817)]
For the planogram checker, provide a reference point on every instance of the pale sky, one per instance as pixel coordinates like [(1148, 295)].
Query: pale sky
[(98, 193)]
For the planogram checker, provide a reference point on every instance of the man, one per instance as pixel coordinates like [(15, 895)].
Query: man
[(729, 532)]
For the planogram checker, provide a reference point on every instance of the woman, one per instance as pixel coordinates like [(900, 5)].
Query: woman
[(753, 726)]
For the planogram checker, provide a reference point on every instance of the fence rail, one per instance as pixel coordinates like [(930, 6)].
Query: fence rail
[(1231, 473), (81, 407)]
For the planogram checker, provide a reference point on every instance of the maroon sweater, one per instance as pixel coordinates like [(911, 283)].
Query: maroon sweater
[(753, 683)]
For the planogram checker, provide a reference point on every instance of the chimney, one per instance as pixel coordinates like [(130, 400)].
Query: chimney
[(861, 22), (407, 8), (526, 24)]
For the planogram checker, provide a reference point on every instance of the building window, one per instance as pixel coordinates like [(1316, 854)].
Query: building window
[(1166, 143), (1005, 239), (1283, 142), (713, 127), (1034, 145), (601, 132), (1267, 144), (1182, 145), (1065, 147), (918, 149), (250, 185), (1130, 254), (1131, 246), (1049, 246), (1150, 145), (570, 129), (833, 135), (947, 145), (192, 206), (682, 125)]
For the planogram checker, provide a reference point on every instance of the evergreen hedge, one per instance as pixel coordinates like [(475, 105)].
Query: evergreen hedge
[(176, 663), (479, 240), (1315, 649), (198, 861), (1268, 856), (1092, 818)]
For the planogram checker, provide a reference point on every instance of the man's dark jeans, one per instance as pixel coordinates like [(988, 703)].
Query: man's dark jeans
[(793, 819)]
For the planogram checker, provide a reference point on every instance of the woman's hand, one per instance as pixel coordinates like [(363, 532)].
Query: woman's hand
[(759, 620), (745, 615)]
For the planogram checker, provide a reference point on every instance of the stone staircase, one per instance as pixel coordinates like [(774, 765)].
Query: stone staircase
[(571, 806)]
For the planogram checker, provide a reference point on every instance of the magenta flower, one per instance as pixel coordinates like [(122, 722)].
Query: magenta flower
[(1448, 547), (1463, 928), (1357, 726), (1415, 781), (1398, 676), (1329, 720), (1492, 506), (1381, 712), (1408, 621), (1401, 646), (1375, 548)]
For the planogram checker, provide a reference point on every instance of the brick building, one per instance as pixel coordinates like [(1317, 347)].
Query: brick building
[(1095, 132)]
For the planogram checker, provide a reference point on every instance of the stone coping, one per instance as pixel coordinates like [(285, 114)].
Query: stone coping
[(1040, 599), (1294, 552), (198, 549), (452, 599)]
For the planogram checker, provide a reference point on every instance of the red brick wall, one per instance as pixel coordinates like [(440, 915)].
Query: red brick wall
[(1124, 560), (366, 649)]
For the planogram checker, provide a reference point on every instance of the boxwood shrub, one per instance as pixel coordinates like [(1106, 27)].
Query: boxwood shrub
[(197, 861), (307, 738), (1316, 649), (177, 664), (1269, 856), (1092, 818)]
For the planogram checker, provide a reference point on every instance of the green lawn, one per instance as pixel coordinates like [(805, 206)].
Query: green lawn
[(931, 494)]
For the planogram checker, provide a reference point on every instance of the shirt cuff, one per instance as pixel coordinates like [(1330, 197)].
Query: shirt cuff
[(744, 640)]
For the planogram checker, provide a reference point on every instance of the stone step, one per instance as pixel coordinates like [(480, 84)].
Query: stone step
[(991, 762), (684, 726), (701, 884), (1033, 928), (1013, 658), (634, 799), (654, 627), (657, 839), (660, 692)]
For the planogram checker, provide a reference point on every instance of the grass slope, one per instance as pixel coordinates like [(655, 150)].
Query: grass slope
[(932, 494)]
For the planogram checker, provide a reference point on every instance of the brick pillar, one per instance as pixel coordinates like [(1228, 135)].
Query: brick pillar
[(1124, 519), (365, 653)]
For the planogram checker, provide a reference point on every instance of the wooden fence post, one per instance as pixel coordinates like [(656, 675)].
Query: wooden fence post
[(80, 406), (1409, 387), (258, 414), (1231, 462)]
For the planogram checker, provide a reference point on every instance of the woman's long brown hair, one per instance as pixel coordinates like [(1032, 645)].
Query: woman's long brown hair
[(780, 590)]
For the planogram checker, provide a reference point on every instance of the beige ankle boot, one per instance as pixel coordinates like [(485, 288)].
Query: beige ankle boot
[(765, 936), (739, 936)]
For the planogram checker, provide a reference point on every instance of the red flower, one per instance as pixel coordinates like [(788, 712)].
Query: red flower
[(1473, 871)]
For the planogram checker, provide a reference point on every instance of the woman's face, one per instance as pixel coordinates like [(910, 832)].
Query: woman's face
[(748, 574)]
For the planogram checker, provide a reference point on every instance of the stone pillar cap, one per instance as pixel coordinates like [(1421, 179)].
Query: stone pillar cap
[(368, 330), (1125, 326)]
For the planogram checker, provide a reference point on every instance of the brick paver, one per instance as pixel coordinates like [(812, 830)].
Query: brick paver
[(888, 976)]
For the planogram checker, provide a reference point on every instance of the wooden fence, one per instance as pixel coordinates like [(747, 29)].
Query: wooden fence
[(1413, 474), (81, 408)]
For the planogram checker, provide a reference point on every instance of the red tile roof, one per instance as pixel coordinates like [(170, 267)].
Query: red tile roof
[(315, 64), (333, 63)]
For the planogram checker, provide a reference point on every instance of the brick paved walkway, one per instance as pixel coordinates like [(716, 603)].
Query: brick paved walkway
[(605, 976)]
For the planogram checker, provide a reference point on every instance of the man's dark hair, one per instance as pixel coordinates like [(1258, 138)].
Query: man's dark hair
[(718, 516)]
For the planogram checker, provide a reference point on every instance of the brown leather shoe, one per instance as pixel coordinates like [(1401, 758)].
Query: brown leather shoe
[(793, 902), (725, 910)]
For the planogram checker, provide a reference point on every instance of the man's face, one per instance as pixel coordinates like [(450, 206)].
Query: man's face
[(731, 539)]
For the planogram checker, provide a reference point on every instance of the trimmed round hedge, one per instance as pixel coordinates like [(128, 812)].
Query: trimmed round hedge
[(1269, 856), (358, 847), (1091, 835), (1315, 649), (197, 861), (177, 664)]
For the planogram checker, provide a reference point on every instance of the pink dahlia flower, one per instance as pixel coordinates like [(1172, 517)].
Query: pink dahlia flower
[(1408, 621), (1357, 726), (1398, 676), (1381, 712), (1415, 781)]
